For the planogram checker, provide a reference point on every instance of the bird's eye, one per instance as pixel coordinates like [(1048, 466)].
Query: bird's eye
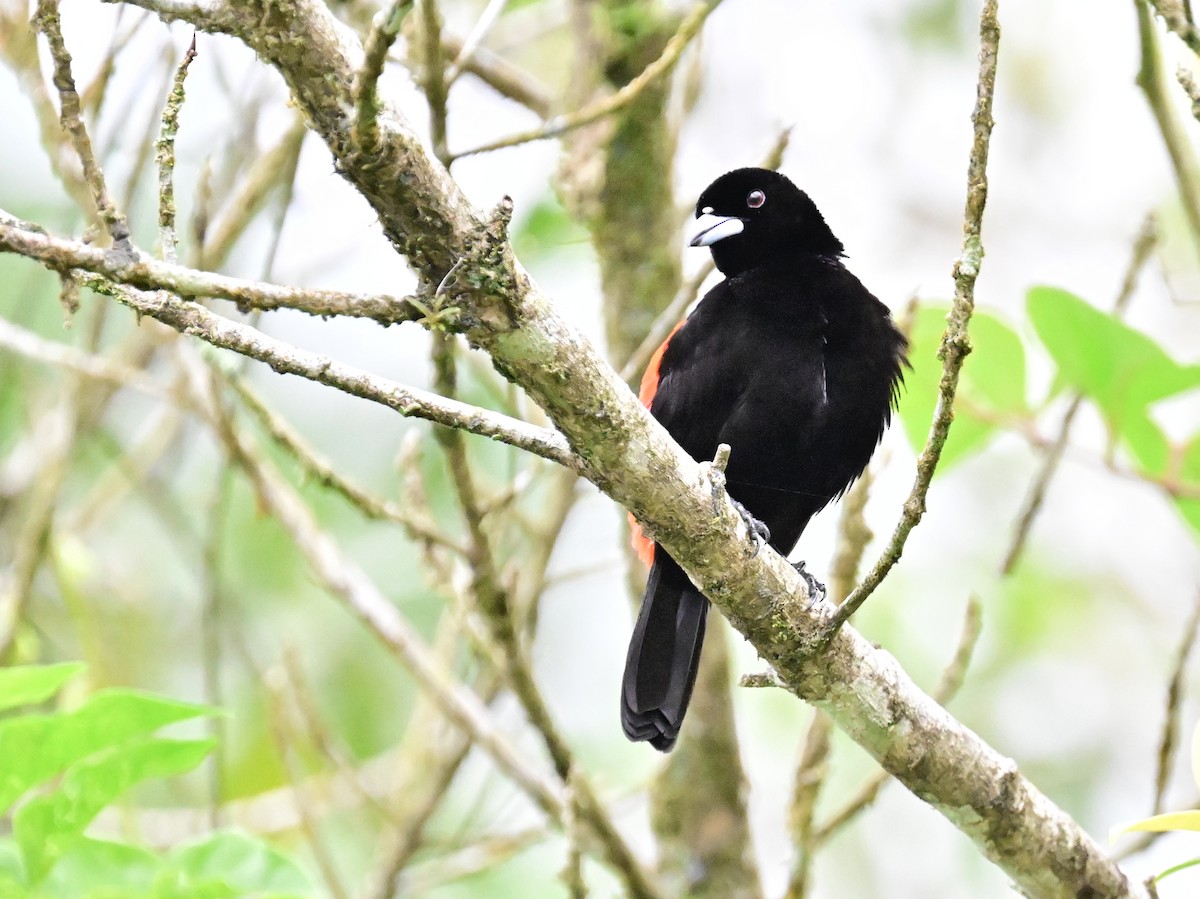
[(755, 198)]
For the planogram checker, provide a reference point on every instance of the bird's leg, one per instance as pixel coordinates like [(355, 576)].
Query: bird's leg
[(759, 532), (816, 590)]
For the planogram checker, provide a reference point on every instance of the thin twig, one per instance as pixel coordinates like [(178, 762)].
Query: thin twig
[(1170, 729), (462, 55), (433, 77), (359, 594), (688, 29), (853, 536), (301, 695), (96, 368), (165, 156), (31, 540), (492, 598), (46, 19), (955, 343), (667, 320), (1143, 245), (1025, 428), (502, 76), (318, 470), (810, 776), (145, 273), (197, 321), (660, 330), (1151, 80), (285, 733), (379, 41), (212, 610), (273, 168)]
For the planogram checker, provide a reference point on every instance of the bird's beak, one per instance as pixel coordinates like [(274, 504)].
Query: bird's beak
[(711, 228)]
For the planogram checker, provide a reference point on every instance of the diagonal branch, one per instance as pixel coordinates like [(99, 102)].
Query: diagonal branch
[(688, 29), (191, 318), (624, 452)]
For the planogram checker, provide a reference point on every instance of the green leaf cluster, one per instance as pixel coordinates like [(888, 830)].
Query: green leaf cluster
[(59, 769), (1122, 371)]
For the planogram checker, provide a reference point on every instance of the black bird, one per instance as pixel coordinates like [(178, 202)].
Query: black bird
[(792, 362)]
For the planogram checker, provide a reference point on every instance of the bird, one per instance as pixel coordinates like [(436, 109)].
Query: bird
[(795, 365)]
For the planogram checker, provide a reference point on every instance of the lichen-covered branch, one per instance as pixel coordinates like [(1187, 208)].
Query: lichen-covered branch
[(195, 320), (956, 342), (145, 273), (622, 450)]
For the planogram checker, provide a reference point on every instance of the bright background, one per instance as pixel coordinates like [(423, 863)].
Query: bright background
[(1070, 676)]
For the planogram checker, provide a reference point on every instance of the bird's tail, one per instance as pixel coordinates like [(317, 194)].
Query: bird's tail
[(664, 654)]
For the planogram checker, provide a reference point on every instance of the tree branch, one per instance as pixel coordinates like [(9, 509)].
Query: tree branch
[(628, 455), (193, 319), (145, 273), (956, 342), (688, 29)]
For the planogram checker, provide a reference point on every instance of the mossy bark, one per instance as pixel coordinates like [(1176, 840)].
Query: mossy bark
[(630, 457)]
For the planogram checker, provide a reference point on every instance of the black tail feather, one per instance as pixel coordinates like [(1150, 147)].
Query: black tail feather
[(664, 655)]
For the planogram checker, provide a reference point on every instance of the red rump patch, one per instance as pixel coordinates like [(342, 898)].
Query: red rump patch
[(643, 545)]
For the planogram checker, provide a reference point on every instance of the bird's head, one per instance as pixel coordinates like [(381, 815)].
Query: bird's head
[(749, 217)]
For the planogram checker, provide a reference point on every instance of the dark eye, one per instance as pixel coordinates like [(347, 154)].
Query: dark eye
[(755, 198)]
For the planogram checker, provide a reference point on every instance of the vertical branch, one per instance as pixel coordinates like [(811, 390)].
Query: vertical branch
[(165, 156), (810, 777), (433, 76), (363, 92), (46, 19), (853, 537), (617, 177), (698, 802), (1170, 730), (1152, 83), (956, 342)]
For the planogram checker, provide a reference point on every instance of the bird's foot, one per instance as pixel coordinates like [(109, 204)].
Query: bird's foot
[(759, 532), (816, 590)]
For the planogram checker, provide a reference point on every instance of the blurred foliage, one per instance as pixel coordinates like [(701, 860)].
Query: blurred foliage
[(545, 228), (1123, 371), (63, 767), (162, 569), (993, 384)]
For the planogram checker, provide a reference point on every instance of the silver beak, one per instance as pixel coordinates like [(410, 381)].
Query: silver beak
[(711, 228)]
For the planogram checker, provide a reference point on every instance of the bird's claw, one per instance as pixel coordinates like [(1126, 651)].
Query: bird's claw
[(816, 590), (759, 532)]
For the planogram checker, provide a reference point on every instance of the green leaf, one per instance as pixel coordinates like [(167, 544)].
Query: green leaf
[(991, 386), (98, 868), (29, 684), (46, 826), (546, 228), (240, 864), (34, 748), (1120, 368), (12, 872)]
